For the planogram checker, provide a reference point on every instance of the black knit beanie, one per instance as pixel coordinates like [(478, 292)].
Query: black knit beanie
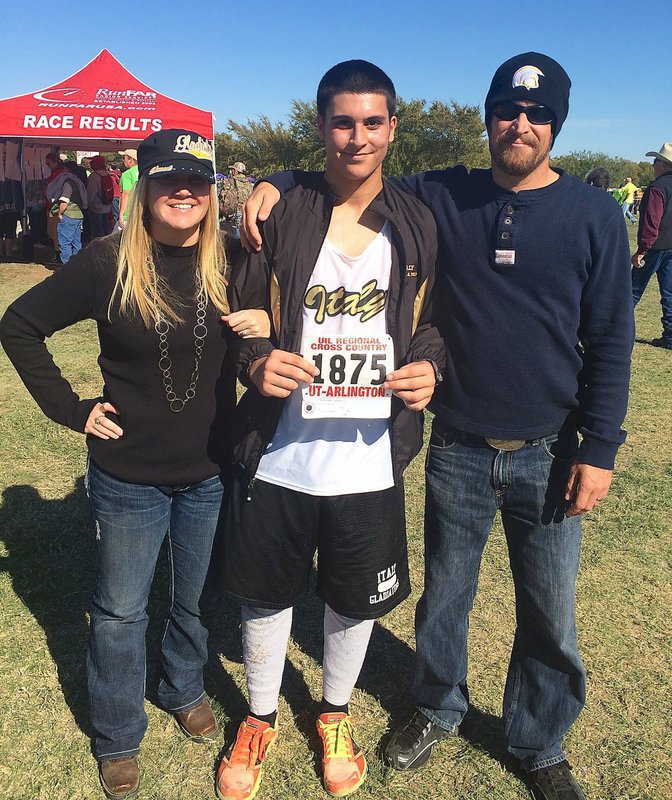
[(535, 77)]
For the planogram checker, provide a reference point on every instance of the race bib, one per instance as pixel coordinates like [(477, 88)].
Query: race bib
[(352, 371)]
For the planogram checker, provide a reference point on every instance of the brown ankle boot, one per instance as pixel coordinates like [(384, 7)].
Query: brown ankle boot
[(119, 777), (198, 723)]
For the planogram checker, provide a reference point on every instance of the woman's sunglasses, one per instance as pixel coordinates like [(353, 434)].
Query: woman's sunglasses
[(537, 115)]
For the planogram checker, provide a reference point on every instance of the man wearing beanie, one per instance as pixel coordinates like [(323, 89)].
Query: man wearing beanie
[(539, 328)]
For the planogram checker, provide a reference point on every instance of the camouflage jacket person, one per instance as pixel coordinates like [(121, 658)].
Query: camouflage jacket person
[(233, 193)]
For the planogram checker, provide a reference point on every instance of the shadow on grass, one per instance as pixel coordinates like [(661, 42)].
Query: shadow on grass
[(656, 342), (50, 560)]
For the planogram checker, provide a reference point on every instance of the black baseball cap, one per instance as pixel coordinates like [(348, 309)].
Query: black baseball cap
[(176, 150)]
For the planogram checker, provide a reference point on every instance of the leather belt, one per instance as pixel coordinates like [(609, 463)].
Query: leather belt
[(508, 445)]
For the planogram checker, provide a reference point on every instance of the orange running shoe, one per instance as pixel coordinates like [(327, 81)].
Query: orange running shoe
[(343, 762), (239, 773)]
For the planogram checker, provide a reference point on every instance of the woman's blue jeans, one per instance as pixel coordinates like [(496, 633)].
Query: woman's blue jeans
[(132, 521), (467, 482)]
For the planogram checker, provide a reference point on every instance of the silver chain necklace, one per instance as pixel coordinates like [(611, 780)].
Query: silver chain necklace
[(176, 403)]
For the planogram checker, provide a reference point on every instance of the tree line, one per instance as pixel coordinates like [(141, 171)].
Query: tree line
[(428, 136)]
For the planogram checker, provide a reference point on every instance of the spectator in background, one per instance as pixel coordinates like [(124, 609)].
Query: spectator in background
[(68, 198), (638, 199), (628, 198), (99, 193), (115, 172), (8, 220), (598, 177), (233, 193), (55, 164), (127, 183), (654, 240)]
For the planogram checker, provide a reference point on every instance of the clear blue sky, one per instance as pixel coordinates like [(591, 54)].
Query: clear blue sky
[(244, 59)]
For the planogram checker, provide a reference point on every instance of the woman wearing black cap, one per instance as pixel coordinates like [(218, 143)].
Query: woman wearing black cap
[(156, 437)]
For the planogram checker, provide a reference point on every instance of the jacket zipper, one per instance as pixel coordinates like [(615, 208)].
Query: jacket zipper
[(290, 338)]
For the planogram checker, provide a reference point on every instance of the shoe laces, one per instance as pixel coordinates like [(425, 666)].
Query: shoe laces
[(250, 746), (561, 777), (338, 738), (418, 725)]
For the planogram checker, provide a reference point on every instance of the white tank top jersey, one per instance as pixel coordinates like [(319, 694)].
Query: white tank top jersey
[(326, 457)]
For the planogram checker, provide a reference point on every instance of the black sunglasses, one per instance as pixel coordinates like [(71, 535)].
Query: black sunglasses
[(537, 115)]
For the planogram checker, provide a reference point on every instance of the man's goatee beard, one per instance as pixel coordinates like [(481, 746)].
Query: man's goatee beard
[(517, 164)]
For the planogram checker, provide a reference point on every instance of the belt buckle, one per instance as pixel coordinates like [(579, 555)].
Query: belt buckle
[(508, 445)]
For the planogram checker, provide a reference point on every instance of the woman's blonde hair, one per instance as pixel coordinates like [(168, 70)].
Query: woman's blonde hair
[(140, 289)]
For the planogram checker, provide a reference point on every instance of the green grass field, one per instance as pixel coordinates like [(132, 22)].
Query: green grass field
[(621, 746)]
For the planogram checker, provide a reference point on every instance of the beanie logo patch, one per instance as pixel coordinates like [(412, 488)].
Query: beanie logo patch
[(528, 77)]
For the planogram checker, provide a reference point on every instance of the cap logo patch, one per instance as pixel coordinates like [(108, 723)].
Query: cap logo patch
[(201, 148), (528, 77), (155, 170)]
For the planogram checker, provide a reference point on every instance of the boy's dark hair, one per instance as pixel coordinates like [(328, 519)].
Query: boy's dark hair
[(358, 77), (598, 177)]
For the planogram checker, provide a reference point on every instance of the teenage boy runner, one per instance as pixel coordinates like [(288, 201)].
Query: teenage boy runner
[(348, 267)]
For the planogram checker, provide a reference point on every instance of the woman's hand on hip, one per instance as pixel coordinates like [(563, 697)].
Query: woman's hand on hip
[(101, 426)]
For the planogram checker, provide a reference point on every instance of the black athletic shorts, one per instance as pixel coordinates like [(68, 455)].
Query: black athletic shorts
[(268, 543)]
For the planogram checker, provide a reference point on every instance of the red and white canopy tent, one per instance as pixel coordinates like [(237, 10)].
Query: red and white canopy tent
[(102, 107)]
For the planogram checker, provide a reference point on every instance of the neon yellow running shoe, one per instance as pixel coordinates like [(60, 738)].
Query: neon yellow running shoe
[(343, 762)]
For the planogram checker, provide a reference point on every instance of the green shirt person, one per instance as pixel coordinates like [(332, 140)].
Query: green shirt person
[(127, 182)]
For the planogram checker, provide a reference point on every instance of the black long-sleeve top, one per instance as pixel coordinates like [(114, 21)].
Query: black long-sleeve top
[(158, 447)]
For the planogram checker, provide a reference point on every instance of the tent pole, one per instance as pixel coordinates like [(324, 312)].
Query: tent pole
[(24, 212)]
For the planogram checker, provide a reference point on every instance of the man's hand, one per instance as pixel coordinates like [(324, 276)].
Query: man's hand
[(638, 260), (586, 486), (413, 383), (278, 374), (256, 209)]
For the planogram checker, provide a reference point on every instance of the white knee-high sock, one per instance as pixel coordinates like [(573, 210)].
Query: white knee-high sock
[(345, 644), (265, 637)]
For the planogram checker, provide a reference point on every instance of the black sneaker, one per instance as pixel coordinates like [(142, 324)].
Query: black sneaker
[(411, 745), (555, 783), (660, 342)]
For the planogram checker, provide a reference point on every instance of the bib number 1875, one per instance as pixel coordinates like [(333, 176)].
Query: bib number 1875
[(340, 367)]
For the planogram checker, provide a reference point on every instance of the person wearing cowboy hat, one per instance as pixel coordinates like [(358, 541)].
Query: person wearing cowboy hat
[(654, 240)]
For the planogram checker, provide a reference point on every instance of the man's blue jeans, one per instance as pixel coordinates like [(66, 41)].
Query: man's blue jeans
[(69, 232), (658, 262), (467, 482), (626, 211), (132, 520)]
